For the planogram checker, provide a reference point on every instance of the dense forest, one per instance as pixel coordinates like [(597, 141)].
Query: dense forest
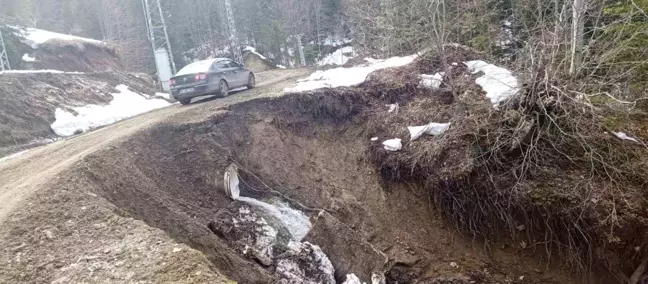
[(194, 25), (594, 37)]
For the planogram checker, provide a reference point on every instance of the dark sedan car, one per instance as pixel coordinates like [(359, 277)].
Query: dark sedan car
[(212, 76)]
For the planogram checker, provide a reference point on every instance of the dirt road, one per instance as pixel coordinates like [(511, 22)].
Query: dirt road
[(22, 175)]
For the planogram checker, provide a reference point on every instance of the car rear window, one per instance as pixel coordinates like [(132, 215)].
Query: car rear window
[(196, 67)]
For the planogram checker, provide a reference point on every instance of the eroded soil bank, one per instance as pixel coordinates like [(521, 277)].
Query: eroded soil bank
[(315, 151)]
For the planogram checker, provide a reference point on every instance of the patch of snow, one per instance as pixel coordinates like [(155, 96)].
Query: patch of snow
[(392, 108), (37, 71), (125, 104), (253, 50), (28, 58), (374, 139), (201, 66), (348, 77), (338, 57), (35, 37), (624, 136), (498, 83), (432, 81), (393, 145), (281, 66), (434, 129), (12, 156)]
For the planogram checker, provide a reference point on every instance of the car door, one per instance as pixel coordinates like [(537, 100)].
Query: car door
[(222, 70), (241, 76)]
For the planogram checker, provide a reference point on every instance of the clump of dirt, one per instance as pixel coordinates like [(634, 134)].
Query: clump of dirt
[(543, 171), (368, 205), (57, 54), (312, 149), (69, 55), (255, 63), (29, 101)]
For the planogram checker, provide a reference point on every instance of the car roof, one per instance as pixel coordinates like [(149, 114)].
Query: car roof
[(199, 66)]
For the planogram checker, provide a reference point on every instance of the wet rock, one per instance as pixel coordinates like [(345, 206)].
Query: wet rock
[(249, 232), (269, 242), (305, 263), (344, 246)]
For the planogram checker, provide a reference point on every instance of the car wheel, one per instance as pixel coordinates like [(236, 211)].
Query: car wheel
[(224, 88), (185, 101), (251, 81)]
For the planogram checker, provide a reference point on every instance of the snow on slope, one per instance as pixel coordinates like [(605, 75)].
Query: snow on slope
[(37, 71), (498, 83), (125, 104), (348, 77), (253, 50), (35, 37), (28, 58), (338, 57)]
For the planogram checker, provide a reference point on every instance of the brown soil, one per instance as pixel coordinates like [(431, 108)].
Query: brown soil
[(63, 55), (256, 63), (165, 169), (54, 230), (312, 149)]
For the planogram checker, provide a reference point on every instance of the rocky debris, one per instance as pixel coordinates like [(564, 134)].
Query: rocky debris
[(250, 233), (269, 242), (352, 279), (347, 250), (305, 263)]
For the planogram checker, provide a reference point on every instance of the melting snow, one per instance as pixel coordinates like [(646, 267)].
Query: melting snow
[(28, 58), (393, 145), (338, 57), (432, 81), (499, 83), (36, 37), (352, 279), (347, 77), (623, 136), (434, 129), (253, 50), (281, 66), (125, 104), (392, 108)]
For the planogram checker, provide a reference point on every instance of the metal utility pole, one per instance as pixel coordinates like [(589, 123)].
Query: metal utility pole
[(159, 38), (4, 59), (234, 44)]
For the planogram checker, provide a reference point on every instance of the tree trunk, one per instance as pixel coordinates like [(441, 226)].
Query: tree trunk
[(577, 36)]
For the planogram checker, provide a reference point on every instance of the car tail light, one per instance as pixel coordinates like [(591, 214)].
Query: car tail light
[(172, 82), (201, 77)]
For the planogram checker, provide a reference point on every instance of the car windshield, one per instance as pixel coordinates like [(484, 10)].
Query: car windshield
[(196, 67)]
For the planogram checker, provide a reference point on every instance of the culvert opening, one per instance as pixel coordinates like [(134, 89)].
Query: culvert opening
[(310, 161)]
